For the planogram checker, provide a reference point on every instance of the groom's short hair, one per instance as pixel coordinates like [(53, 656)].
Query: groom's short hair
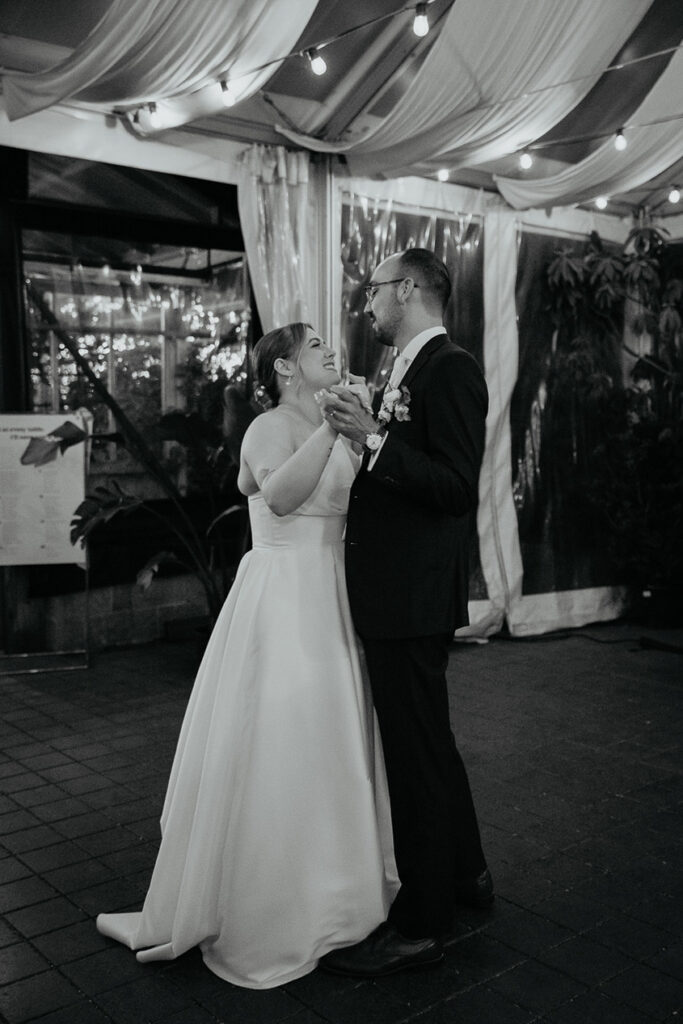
[(430, 273)]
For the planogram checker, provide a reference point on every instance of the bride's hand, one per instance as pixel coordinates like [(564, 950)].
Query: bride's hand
[(342, 409), (353, 385), (357, 386), (325, 400)]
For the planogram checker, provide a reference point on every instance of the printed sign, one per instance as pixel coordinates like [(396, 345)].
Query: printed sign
[(42, 481)]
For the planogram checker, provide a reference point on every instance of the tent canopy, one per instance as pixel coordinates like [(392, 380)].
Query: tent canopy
[(555, 77)]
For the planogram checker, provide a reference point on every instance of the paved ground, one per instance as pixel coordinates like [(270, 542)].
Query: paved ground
[(574, 748)]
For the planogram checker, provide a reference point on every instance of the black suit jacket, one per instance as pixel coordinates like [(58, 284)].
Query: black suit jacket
[(408, 528)]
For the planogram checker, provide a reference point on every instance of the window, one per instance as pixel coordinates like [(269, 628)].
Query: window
[(145, 274), (152, 334)]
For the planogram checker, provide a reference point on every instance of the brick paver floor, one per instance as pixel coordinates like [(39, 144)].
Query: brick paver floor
[(573, 744)]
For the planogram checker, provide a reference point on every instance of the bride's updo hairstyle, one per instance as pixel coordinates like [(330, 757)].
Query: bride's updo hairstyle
[(280, 343)]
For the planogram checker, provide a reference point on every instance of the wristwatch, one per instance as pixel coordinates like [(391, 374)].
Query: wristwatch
[(372, 442)]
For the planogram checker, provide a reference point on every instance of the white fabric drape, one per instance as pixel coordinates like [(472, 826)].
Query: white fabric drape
[(273, 202), (651, 149), (501, 560), (476, 95), (162, 50)]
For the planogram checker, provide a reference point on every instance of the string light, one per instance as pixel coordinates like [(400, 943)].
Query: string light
[(228, 97), (318, 65), (675, 194), (601, 202), (155, 119), (421, 28), (442, 175), (420, 21)]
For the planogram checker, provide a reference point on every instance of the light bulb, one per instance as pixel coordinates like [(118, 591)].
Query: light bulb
[(227, 95), (318, 65), (601, 202), (420, 21), (442, 175), (155, 119), (675, 194), (525, 160), (620, 140)]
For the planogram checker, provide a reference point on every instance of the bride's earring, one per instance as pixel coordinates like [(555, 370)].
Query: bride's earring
[(288, 381)]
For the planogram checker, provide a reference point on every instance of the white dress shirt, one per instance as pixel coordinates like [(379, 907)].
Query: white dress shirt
[(401, 364)]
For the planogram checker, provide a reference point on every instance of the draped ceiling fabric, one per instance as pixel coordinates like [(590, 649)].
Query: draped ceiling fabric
[(651, 149), (163, 50), (484, 90)]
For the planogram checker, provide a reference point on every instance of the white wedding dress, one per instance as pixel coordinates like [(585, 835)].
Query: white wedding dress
[(276, 831)]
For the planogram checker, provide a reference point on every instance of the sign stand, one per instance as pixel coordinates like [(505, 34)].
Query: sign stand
[(42, 481), (14, 663)]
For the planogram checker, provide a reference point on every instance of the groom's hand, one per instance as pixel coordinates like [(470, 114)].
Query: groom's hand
[(357, 386), (343, 410)]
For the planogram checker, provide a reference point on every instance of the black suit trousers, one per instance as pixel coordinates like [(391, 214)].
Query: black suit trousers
[(436, 835)]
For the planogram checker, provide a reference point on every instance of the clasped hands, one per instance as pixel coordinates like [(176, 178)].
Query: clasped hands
[(347, 408)]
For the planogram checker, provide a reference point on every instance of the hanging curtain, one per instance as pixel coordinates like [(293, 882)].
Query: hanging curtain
[(162, 50), (651, 149), (482, 91), (372, 230), (273, 203), (496, 521)]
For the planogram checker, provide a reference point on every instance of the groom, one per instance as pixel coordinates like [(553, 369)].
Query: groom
[(407, 540)]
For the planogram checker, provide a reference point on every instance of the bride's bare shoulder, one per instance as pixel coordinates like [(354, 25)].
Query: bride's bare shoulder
[(270, 427), (272, 421), (266, 444)]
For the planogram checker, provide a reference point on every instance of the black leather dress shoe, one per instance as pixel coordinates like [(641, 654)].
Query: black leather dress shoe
[(475, 892), (384, 951)]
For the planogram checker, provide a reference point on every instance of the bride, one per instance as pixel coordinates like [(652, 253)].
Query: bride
[(276, 832)]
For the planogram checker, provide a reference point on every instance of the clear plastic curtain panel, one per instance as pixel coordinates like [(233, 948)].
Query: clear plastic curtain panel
[(373, 229), (566, 579)]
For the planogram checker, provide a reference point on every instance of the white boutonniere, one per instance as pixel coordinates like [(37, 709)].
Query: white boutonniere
[(395, 405)]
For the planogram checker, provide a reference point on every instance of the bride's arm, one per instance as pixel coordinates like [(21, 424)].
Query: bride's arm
[(285, 476)]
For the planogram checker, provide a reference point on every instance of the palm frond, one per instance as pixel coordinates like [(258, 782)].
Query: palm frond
[(103, 504), (41, 450)]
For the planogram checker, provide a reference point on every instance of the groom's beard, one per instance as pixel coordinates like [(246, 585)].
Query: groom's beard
[(384, 333)]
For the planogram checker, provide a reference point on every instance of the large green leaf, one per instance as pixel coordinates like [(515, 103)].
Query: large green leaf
[(146, 575), (224, 515), (41, 450), (103, 504)]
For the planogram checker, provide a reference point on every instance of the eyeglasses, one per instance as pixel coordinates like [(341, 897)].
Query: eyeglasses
[(371, 289)]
